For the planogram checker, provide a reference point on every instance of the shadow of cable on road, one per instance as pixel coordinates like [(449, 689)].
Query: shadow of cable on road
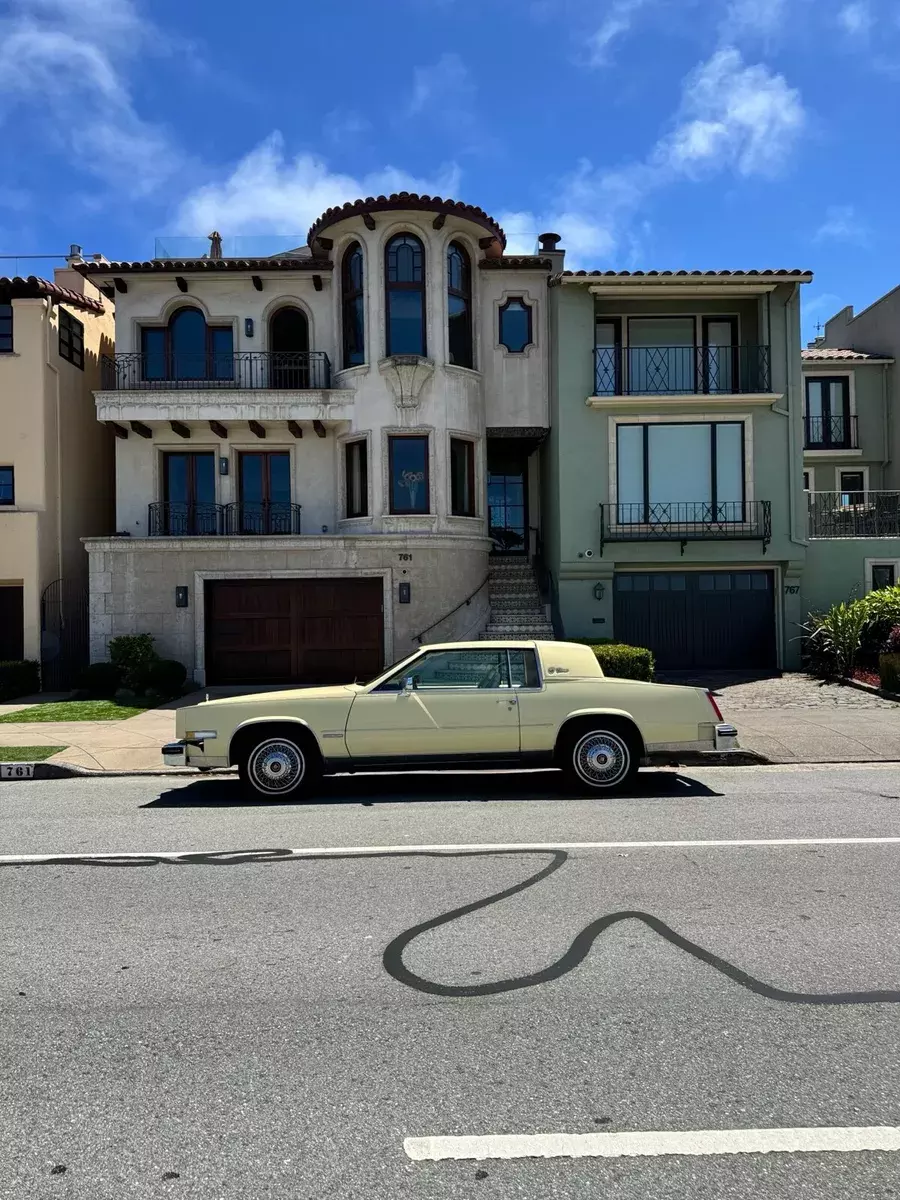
[(469, 787)]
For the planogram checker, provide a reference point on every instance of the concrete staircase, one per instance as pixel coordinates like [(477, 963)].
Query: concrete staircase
[(516, 607)]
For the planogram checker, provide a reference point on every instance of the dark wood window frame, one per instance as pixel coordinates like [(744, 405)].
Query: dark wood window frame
[(504, 307), (7, 484), (828, 416), (356, 446), (457, 510), (71, 339), (417, 286), (267, 455), (191, 456), (646, 426), (393, 438), (464, 294), (351, 295), (6, 329), (705, 322), (168, 356)]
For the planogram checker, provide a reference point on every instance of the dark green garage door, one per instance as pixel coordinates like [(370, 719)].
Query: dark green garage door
[(699, 619)]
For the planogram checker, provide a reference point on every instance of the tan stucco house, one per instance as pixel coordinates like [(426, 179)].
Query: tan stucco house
[(56, 465)]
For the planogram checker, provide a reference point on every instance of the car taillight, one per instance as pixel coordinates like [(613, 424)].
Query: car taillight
[(711, 698)]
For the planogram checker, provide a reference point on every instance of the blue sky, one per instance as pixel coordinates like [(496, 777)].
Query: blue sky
[(649, 133)]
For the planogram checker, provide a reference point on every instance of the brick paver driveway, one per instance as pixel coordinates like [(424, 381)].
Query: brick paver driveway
[(796, 718)]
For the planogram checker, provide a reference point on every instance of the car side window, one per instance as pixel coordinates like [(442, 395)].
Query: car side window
[(523, 669), (454, 669)]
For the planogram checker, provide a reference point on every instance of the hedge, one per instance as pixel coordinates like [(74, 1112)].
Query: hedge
[(19, 679), (623, 662)]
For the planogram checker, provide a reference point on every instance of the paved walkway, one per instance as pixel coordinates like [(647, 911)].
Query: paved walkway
[(790, 718)]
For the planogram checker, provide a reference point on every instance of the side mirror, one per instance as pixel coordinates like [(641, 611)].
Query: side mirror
[(409, 684)]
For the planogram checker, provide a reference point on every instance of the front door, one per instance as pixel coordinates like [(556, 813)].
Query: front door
[(507, 471), (461, 706), (265, 486)]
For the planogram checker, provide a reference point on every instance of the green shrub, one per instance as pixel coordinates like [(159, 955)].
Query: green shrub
[(165, 679), (624, 662), (19, 678), (101, 680), (835, 637), (134, 653)]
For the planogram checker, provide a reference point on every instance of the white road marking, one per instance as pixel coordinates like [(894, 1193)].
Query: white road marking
[(635, 1145), (450, 848)]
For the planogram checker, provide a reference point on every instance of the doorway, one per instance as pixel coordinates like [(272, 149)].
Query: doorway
[(289, 349), (507, 485)]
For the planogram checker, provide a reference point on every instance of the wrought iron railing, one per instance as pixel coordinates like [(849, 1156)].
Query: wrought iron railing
[(262, 518), (173, 518), (857, 514), (691, 521), (182, 519), (830, 433), (680, 370), (284, 370)]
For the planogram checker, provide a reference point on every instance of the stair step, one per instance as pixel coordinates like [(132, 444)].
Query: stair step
[(516, 633), (516, 604), (518, 617), (513, 587)]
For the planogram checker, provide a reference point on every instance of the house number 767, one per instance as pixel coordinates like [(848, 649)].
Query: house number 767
[(792, 589)]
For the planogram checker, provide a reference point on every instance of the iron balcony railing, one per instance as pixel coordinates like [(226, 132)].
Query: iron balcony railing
[(687, 521), (285, 370), (182, 519), (830, 433), (680, 370), (859, 514)]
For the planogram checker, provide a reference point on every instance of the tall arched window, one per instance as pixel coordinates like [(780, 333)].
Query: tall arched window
[(289, 364), (353, 308), (187, 348), (404, 275), (459, 306)]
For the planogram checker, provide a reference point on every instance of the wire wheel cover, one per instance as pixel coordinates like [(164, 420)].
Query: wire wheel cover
[(601, 758), (276, 766)]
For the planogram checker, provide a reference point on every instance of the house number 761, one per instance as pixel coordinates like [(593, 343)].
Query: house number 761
[(405, 557)]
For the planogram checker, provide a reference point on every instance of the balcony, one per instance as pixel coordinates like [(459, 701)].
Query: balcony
[(830, 433), (254, 519), (681, 370), (248, 370), (854, 514), (691, 521)]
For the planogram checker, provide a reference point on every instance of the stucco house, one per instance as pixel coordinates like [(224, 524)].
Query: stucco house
[(851, 455), (320, 454), (674, 512), (56, 465)]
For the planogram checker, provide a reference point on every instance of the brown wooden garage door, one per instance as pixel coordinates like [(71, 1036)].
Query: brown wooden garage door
[(310, 631)]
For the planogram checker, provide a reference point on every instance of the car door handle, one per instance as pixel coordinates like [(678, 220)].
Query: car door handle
[(508, 700)]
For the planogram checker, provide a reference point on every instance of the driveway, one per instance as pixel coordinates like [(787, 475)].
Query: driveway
[(797, 718)]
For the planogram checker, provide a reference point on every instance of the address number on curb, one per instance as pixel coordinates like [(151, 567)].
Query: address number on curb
[(16, 770)]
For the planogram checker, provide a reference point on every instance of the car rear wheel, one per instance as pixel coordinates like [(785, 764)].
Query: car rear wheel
[(601, 759), (278, 767)]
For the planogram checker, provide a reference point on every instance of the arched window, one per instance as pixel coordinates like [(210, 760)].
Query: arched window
[(353, 307), (459, 306), (404, 276), (289, 348), (187, 348)]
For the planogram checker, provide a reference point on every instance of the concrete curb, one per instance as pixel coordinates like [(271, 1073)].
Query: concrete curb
[(870, 688), (63, 770)]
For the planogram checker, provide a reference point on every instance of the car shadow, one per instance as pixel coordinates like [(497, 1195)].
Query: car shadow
[(476, 787)]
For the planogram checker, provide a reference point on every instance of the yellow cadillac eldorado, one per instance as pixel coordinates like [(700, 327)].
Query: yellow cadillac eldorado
[(460, 705)]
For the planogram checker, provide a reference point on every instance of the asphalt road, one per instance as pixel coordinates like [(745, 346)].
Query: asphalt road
[(248, 1025)]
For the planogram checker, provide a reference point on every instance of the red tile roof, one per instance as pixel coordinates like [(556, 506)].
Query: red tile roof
[(179, 266), (830, 354), (407, 202), (766, 274), (17, 287)]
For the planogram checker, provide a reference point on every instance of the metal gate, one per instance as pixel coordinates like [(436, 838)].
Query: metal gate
[(64, 634)]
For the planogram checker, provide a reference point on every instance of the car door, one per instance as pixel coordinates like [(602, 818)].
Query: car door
[(461, 706)]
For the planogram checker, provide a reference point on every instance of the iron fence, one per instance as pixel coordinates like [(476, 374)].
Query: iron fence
[(859, 514), (687, 521), (680, 370), (830, 433), (285, 370)]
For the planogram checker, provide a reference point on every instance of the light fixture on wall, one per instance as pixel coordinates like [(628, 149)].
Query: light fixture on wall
[(599, 590), (248, 327), (181, 597), (223, 466)]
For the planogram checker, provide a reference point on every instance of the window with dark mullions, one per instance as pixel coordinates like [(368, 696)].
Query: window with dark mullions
[(7, 485), (71, 339), (459, 306), (356, 466), (408, 470), (404, 276), (187, 348), (353, 306), (515, 325), (6, 329), (462, 478)]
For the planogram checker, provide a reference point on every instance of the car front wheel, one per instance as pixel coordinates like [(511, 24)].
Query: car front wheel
[(278, 768), (601, 759)]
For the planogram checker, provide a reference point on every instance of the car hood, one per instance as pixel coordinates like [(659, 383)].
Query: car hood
[(334, 692)]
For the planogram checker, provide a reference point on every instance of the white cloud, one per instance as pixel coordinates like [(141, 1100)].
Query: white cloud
[(749, 18), (269, 193), (61, 61), (841, 224), (445, 83), (856, 18), (617, 22)]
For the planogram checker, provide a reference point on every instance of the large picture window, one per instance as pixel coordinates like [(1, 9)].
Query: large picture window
[(71, 339), (680, 472), (404, 273), (459, 306), (408, 470), (6, 329), (353, 306)]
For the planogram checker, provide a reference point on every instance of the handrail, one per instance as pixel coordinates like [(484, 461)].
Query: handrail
[(468, 600)]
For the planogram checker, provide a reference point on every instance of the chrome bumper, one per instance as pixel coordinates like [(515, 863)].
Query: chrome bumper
[(174, 754), (726, 737)]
